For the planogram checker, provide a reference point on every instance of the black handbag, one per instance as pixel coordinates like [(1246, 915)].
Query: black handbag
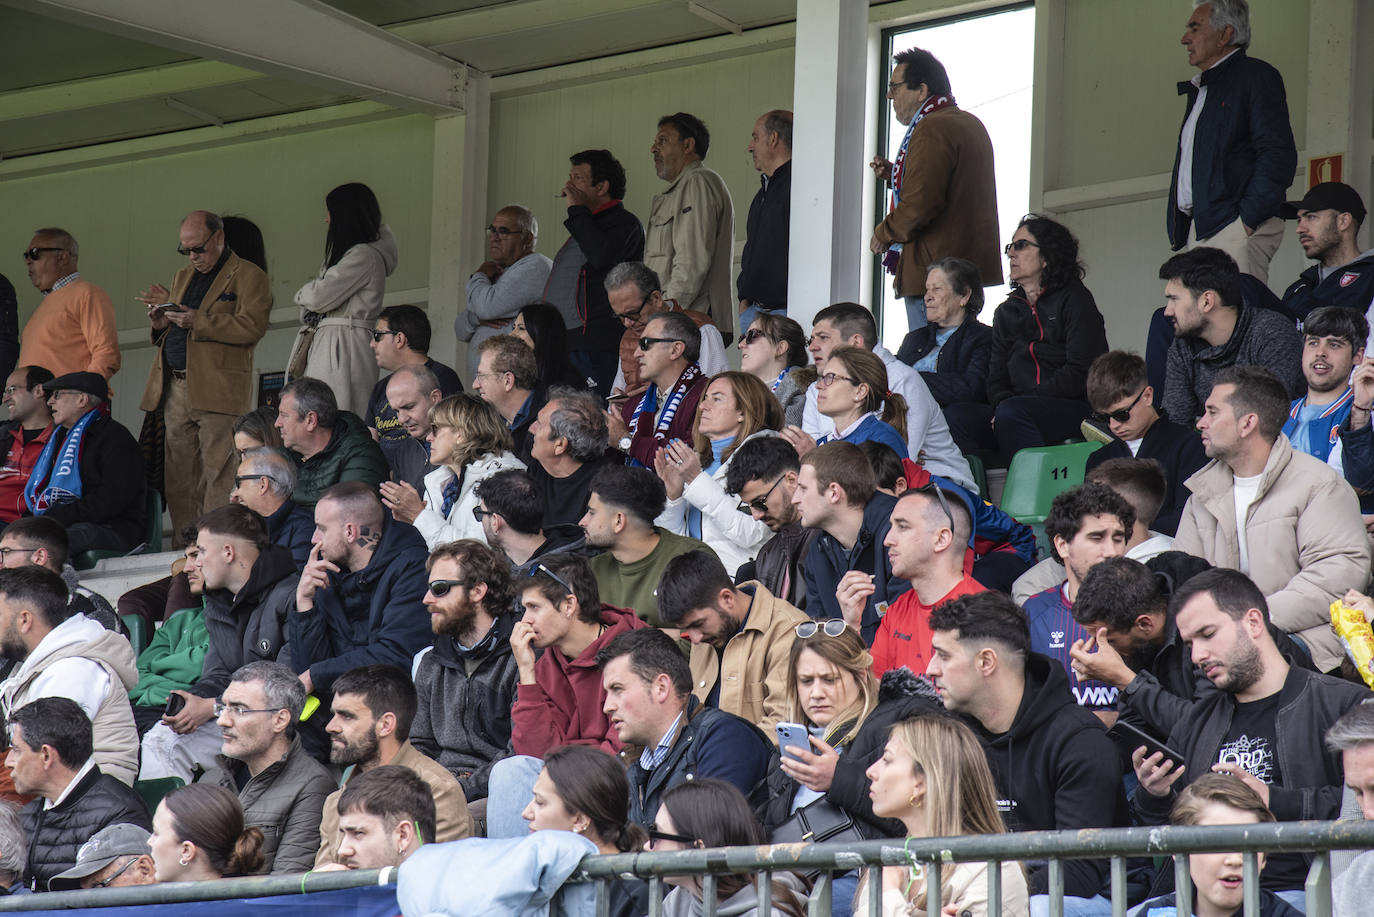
[(818, 821)]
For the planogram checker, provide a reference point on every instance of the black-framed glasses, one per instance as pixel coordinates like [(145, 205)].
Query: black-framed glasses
[(1019, 245), (829, 379), (6, 552), (656, 835), (440, 587), (196, 249), (761, 503), (753, 334), (930, 487), (832, 627), (541, 568), (238, 710), (240, 478), (646, 343), (479, 514), (503, 232), (105, 882), (629, 318), (1123, 415), (378, 335), (33, 254)]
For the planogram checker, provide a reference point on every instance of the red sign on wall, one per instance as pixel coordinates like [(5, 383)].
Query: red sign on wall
[(1324, 168)]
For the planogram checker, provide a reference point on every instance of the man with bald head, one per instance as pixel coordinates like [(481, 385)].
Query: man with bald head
[(412, 391), (73, 328), (514, 275), (205, 328)]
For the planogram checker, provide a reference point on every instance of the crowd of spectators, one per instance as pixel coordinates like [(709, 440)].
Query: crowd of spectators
[(618, 589)]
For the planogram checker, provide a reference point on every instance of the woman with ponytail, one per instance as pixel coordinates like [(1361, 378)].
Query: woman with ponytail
[(198, 833), (584, 790), (852, 391)]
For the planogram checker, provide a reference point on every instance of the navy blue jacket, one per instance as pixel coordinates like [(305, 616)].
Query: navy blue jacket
[(763, 265), (292, 527), (709, 743), (1350, 285), (961, 368), (828, 561), (372, 615), (1179, 450), (1244, 156)]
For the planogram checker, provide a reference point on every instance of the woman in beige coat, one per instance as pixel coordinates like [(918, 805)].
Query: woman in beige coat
[(340, 307)]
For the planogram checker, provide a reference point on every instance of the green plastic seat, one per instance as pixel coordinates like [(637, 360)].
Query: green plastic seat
[(138, 632), (980, 474), (152, 537), (1036, 476), (153, 789)]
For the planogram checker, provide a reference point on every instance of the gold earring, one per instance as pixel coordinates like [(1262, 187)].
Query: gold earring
[(912, 802)]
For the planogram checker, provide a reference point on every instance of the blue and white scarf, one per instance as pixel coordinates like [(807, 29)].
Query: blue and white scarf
[(649, 404), (64, 483)]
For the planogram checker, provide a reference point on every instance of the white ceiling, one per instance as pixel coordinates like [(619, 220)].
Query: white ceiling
[(45, 106)]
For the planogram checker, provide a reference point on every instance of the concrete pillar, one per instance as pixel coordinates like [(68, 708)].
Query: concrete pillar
[(828, 240)]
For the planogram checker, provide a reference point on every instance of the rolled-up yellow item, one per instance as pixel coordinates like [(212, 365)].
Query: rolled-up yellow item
[(1356, 636)]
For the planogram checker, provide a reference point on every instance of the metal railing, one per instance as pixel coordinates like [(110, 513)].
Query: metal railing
[(1115, 844), (933, 854)]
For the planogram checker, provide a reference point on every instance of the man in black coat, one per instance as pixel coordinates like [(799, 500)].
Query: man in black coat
[(103, 503), (50, 757)]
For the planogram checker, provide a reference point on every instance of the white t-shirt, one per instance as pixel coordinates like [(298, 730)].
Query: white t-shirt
[(1244, 492), (1134, 446)]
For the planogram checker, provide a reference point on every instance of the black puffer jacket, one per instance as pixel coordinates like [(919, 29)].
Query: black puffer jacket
[(901, 696), (55, 834), (961, 368), (1045, 349), (463, 720), (250, 626)]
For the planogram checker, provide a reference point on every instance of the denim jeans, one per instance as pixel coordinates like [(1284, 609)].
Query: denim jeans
[(751, 312), (1073, 907), (509, 789), (915, 312)]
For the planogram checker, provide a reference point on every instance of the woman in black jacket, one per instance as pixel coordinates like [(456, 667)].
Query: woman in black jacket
[(951, 351), (1044, 337)]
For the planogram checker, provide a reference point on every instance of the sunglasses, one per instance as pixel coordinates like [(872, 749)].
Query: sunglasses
[(753, 334), (1121, 416), (440, 587), (479, 514), (540, 568), (629, 318), (195, 249), (646, 343), (378, 335), (831, 628), (932, 488), (1019, 245), (656, 835), (760, 503), (36, 252)]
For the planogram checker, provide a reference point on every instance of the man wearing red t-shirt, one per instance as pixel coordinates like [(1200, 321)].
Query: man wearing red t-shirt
[(926, 543)]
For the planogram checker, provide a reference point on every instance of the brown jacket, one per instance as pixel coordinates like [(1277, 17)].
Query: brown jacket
[(1306, 541), (949, 201), (754, 683), (452, 821), (232, 318)]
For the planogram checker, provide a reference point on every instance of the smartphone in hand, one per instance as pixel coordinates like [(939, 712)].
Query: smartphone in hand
[(793, 735)]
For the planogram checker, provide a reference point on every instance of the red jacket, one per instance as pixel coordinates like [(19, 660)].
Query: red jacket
[(903, 637), (20, 457), (563, 707)]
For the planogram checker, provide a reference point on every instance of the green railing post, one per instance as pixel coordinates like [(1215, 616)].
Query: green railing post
[(1056, 887), (995, 888), (819, 905), (1318, 888), (1118, 887), (1183, 884), (1250, 883), (933, 875)]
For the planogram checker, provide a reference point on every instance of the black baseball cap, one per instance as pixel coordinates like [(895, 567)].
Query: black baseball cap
[(1329, 195)]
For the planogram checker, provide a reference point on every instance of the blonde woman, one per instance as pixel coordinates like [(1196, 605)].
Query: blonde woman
[(934, 778), (734, 408), (469, 442)]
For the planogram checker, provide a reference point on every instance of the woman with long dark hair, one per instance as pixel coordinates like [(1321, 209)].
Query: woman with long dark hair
[(198, 833), (773, 350), (583, 790), (340, 307), (540, 325), (713, 813), (1044, 337)]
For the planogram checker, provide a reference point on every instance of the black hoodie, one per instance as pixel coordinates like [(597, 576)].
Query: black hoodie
[(465, 696), (1056, 769), (251, 625)]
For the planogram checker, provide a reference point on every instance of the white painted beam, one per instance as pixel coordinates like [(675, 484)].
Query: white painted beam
[(305, 40), (119, 88), (828, 241)]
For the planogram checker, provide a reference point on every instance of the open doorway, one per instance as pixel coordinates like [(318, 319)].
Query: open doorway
[(990, 60)]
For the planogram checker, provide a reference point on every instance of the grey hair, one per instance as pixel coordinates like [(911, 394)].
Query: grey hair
[(580, 420), (1354, 729), (63, 238), (1235, 13), (281, 689), (267, 462), (779, 121), (635, 272), (14, 844), (313, 395), (525, 219), (420, 374)]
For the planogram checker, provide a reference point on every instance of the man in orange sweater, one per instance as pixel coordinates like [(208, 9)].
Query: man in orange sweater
[(73, 328)]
